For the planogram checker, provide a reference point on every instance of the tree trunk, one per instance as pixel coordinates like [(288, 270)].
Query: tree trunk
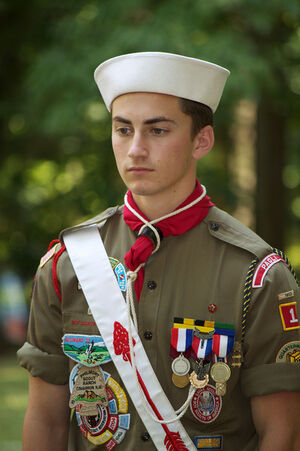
[(270, 196)]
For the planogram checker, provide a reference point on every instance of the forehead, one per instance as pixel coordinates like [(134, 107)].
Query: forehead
[(146, 103)]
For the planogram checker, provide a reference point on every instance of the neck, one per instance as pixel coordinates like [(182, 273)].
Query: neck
[(156, 206)]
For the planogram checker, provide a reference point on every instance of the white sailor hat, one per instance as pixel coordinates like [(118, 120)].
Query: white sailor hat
[(164, 73)]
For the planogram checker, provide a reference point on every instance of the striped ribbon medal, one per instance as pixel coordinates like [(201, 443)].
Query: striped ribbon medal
[(181, 340), (202, 342), (223, 341)]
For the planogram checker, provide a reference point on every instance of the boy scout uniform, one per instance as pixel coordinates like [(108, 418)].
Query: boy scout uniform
[(206, 266)]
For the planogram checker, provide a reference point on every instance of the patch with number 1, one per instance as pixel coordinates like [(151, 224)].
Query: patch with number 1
[(288, 314)]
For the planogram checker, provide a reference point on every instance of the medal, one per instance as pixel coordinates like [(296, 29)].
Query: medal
[(237, 354), (181, 366), (196, 383), (220, 373), (180, 381)]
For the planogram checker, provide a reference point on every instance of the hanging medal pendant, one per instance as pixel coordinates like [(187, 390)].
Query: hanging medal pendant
[(180, 381), (198, 383), (220, 373), (181, 366), (236, 357)]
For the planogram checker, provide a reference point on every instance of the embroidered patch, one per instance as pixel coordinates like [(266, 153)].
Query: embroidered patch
[(48, 255), (120, 273), (288, 314), (286, 295), (263, 268), (209, 442), (206, 404), (89, 391), (290, 352), (90, 350), (110, 424)]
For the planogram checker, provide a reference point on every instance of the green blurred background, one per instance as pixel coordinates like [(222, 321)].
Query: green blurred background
[(57, 166)]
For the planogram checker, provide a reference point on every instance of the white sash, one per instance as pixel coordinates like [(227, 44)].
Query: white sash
[(101, 290)]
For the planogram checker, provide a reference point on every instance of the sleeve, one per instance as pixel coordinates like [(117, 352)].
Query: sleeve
[(42, 353), (272, 338)]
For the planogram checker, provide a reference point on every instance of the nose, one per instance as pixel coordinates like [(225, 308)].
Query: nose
[(137, 146)]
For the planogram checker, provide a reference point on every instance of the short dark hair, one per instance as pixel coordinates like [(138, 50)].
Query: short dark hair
[(201, 114)]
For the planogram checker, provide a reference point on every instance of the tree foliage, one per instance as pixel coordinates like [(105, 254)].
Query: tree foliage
[(57, 166)]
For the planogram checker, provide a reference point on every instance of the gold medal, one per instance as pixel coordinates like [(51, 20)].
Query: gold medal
[(220, 372), (180, 381), (196, 383)]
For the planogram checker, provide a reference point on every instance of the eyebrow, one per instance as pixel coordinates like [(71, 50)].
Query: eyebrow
[(153, 120)]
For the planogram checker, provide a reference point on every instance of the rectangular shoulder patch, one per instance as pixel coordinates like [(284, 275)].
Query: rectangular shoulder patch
[(208, 442), (288, 314), (263, 268)]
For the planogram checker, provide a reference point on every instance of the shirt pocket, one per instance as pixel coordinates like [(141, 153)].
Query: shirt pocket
[(79, 323)]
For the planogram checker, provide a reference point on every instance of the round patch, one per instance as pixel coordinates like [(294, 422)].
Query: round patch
[(110, 424), (290, 352), (206, 404)]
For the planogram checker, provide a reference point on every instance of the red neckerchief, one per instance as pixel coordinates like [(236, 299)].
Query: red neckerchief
[(175, 225)]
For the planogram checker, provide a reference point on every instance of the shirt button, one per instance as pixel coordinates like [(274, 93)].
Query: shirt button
[(214, 226), (148, 334), (151, 284), (145, 436)]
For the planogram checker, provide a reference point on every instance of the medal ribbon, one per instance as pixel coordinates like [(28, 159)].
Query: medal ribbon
[(202, 347), (223, 341), (181, 339)]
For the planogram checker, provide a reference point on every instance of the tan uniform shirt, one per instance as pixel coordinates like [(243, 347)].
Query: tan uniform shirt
[(208, 264)]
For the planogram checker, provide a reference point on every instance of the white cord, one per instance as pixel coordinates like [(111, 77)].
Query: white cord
[(131, 277), (154, 221)]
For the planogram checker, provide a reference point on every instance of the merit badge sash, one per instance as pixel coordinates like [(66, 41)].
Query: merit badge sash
[(98, 282)]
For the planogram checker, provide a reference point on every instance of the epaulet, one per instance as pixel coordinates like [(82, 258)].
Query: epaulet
[(100, 220), (226, 228), (52, 248)]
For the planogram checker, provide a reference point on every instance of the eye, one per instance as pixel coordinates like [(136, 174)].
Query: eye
[(123, 131), (159, 131)]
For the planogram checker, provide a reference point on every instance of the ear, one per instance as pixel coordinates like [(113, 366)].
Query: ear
[(203, 142)]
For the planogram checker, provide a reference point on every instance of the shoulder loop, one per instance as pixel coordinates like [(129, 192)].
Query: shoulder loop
[(50, 252), (249, 283)]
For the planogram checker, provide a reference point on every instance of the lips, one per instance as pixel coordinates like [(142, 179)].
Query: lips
[(139, 169)]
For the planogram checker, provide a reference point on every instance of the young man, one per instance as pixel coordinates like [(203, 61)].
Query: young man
[(215, 333)]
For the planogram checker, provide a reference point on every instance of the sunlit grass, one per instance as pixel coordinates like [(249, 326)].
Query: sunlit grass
[(13, 402)]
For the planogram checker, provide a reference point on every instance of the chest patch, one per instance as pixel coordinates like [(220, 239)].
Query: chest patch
[(206, 404), (90, 350)]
